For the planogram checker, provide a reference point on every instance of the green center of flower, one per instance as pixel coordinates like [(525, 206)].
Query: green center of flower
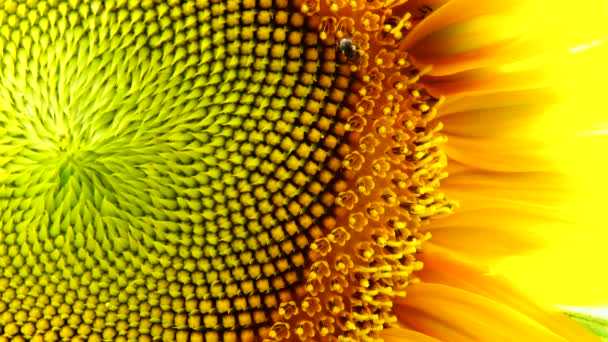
[(160, 165)]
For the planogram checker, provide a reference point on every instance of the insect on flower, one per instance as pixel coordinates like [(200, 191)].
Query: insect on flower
[(348, 48)]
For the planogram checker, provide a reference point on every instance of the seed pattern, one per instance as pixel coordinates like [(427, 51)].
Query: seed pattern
[(388, 186), (210, 170), (162, 163)]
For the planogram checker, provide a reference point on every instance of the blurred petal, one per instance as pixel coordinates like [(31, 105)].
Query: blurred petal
[(527, 130), (398, 334), (443, 268), (466, 35), (453, 314), (566, 273)]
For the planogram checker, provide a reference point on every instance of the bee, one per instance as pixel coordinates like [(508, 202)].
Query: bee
[(348, 48)]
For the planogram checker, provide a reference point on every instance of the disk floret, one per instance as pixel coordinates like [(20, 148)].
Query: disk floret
[(365, 256)]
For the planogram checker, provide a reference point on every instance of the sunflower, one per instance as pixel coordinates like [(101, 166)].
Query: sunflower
[(297, 170)]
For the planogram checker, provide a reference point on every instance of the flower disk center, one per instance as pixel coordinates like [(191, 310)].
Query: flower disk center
[(161, 165), (241, 170)]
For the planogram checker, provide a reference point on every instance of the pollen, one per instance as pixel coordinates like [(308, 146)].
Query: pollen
[(388, 184)]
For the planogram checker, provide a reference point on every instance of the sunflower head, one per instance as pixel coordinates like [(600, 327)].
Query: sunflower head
[(211, 170)]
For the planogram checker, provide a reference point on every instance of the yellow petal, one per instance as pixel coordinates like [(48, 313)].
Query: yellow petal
[(571, 273), (477, 189), (484, 243), (399, 334), (445, 269), (495, 154), (490, 102), (464, 35), (498, 122), (453, 12), (454, 314)]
